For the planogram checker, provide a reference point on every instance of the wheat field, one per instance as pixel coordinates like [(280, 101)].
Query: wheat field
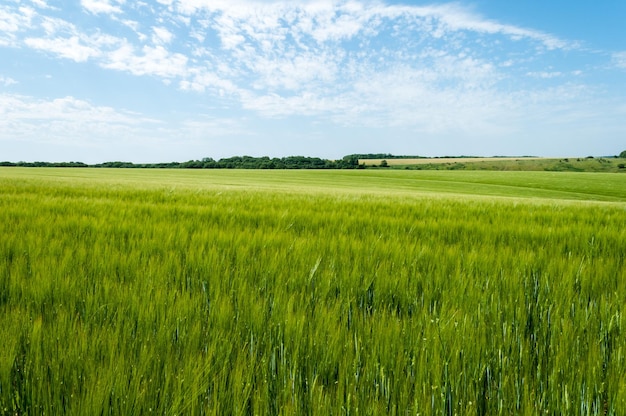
[(338, 293)]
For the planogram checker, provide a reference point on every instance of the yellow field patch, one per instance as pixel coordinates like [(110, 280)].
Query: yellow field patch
[(425, 161)]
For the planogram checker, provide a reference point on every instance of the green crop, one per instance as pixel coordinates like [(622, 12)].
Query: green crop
[(238, 292)]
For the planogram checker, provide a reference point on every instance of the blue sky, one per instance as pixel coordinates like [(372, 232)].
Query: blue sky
[(174, 80)]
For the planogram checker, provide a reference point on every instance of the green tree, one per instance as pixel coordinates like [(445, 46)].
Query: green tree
[(623, 154)]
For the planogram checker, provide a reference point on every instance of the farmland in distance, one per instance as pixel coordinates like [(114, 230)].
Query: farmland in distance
[(526, 164), (311, 292)]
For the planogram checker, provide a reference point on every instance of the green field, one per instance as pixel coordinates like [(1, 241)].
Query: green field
[(571, 164), (311, 292)]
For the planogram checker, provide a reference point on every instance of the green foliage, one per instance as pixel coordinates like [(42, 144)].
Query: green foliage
[(235, 162), (45, 164), (623, 155), (187, 292)]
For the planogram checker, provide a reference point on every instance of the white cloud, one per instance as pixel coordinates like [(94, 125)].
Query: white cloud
[(13, 21), (201, 80), (153, 60), (52, 35), (7, 81), (161, 35), (619, 58), (43, 5), (19, 107), (306, 70), (70, 48), (457, 18), (79, 130), (66, 121), (53, 26), (270, 46), (545, 74), (102, 6), (72, 129), (292, 45)]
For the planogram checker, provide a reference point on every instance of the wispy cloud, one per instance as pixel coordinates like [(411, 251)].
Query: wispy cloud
[(103, 6), (70, 48), (452, 18), (314, 57), (7, 81), (16, 108), (149, 60), (42, 4), (95, 133), (161, 35), (68, 114), (545, 74), (102, 133), (619, 58), (13, 20)]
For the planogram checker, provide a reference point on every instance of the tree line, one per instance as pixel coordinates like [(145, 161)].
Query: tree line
[(235, 162)]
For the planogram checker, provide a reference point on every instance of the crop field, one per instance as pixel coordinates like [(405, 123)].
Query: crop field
[(363, 292), (571, 164), (429, 160)]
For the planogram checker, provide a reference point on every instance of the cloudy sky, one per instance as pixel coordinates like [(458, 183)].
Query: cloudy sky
[(174, 80)]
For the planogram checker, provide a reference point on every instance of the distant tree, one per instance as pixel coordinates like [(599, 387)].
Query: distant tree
[(348, 162), (623, 154), (208, 163), (192, 164), (384, 164)]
